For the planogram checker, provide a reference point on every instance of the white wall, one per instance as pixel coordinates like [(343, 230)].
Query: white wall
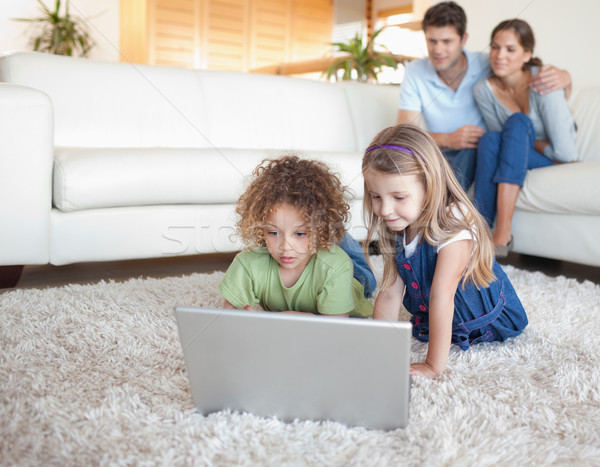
[(566, 32), (348, 19), (102, 17)]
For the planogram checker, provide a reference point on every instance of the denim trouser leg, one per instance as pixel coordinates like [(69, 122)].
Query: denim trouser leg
[(362, 271), (487, 163), (463, 164), (517, 155), (505, 157)]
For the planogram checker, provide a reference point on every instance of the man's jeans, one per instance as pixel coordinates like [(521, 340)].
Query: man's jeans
[(505, 157), (463, 164), (362, 271)]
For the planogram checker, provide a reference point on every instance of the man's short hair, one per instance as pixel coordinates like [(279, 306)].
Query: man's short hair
[(446, 14)]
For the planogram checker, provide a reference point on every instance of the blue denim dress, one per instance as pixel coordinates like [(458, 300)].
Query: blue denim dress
[(494, 313)]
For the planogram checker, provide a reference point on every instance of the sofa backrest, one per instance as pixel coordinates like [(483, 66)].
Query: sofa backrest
[(99, 104), (250, 110), (373, 109), (585, 106)]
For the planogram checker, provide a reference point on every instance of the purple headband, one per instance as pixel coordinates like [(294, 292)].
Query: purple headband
[(392, 146)]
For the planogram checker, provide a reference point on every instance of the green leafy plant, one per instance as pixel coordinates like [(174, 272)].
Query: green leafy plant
[(360, 62), (59, 34)]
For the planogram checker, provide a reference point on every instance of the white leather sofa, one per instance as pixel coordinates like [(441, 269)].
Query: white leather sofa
[(558, 209), (113, 161)]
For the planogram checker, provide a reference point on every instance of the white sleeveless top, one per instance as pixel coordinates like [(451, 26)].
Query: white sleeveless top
[(410, 249)]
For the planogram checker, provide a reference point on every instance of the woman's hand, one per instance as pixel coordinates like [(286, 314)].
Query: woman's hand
[(424, 369)]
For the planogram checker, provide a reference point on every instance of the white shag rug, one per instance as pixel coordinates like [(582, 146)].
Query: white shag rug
[(94, 375)]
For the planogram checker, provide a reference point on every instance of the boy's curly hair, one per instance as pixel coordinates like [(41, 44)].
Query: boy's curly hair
[(308, 185)]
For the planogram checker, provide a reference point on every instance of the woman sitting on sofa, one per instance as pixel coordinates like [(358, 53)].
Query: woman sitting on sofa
[(527, 130)]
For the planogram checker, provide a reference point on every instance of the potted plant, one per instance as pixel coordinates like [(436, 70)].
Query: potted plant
[(361, 62), (59, 34)]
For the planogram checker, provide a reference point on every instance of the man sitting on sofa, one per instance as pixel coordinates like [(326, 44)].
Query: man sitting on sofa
[(440, 88)]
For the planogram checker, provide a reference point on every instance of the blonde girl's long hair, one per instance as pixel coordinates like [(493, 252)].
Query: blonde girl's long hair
[(447, 209)]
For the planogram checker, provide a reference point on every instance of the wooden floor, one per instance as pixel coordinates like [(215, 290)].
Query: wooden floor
[(553, 268), (84, 273), (51, 276)]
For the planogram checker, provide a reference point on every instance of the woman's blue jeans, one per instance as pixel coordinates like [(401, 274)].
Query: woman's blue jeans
[(504, 157)]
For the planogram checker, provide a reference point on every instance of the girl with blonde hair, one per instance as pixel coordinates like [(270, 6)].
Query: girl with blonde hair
[(437, 250)]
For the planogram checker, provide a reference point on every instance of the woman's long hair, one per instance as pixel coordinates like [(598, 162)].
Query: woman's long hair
[(447, 209)]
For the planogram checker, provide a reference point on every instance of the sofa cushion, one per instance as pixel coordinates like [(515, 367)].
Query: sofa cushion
[(571, 188), (92, 178)]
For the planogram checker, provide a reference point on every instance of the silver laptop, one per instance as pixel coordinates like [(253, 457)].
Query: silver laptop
[(351, 370)]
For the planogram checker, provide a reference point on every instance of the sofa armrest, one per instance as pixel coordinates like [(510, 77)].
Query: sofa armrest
[(26, 159)]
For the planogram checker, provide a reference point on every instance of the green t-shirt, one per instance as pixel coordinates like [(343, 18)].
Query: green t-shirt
[(326, 285)]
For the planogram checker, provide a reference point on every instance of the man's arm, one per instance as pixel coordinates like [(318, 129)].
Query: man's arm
[(465, 137), (410, 116), (550, 78)]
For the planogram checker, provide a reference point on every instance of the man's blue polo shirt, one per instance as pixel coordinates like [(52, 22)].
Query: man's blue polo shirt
[(443, 109)]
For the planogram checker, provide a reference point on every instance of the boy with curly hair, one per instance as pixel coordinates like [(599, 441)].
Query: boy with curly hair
[(290, 218)]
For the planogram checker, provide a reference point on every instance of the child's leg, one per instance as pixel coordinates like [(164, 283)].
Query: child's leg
[(362, 271)]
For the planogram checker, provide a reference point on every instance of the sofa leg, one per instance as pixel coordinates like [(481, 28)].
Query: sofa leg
[(9, 276)]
